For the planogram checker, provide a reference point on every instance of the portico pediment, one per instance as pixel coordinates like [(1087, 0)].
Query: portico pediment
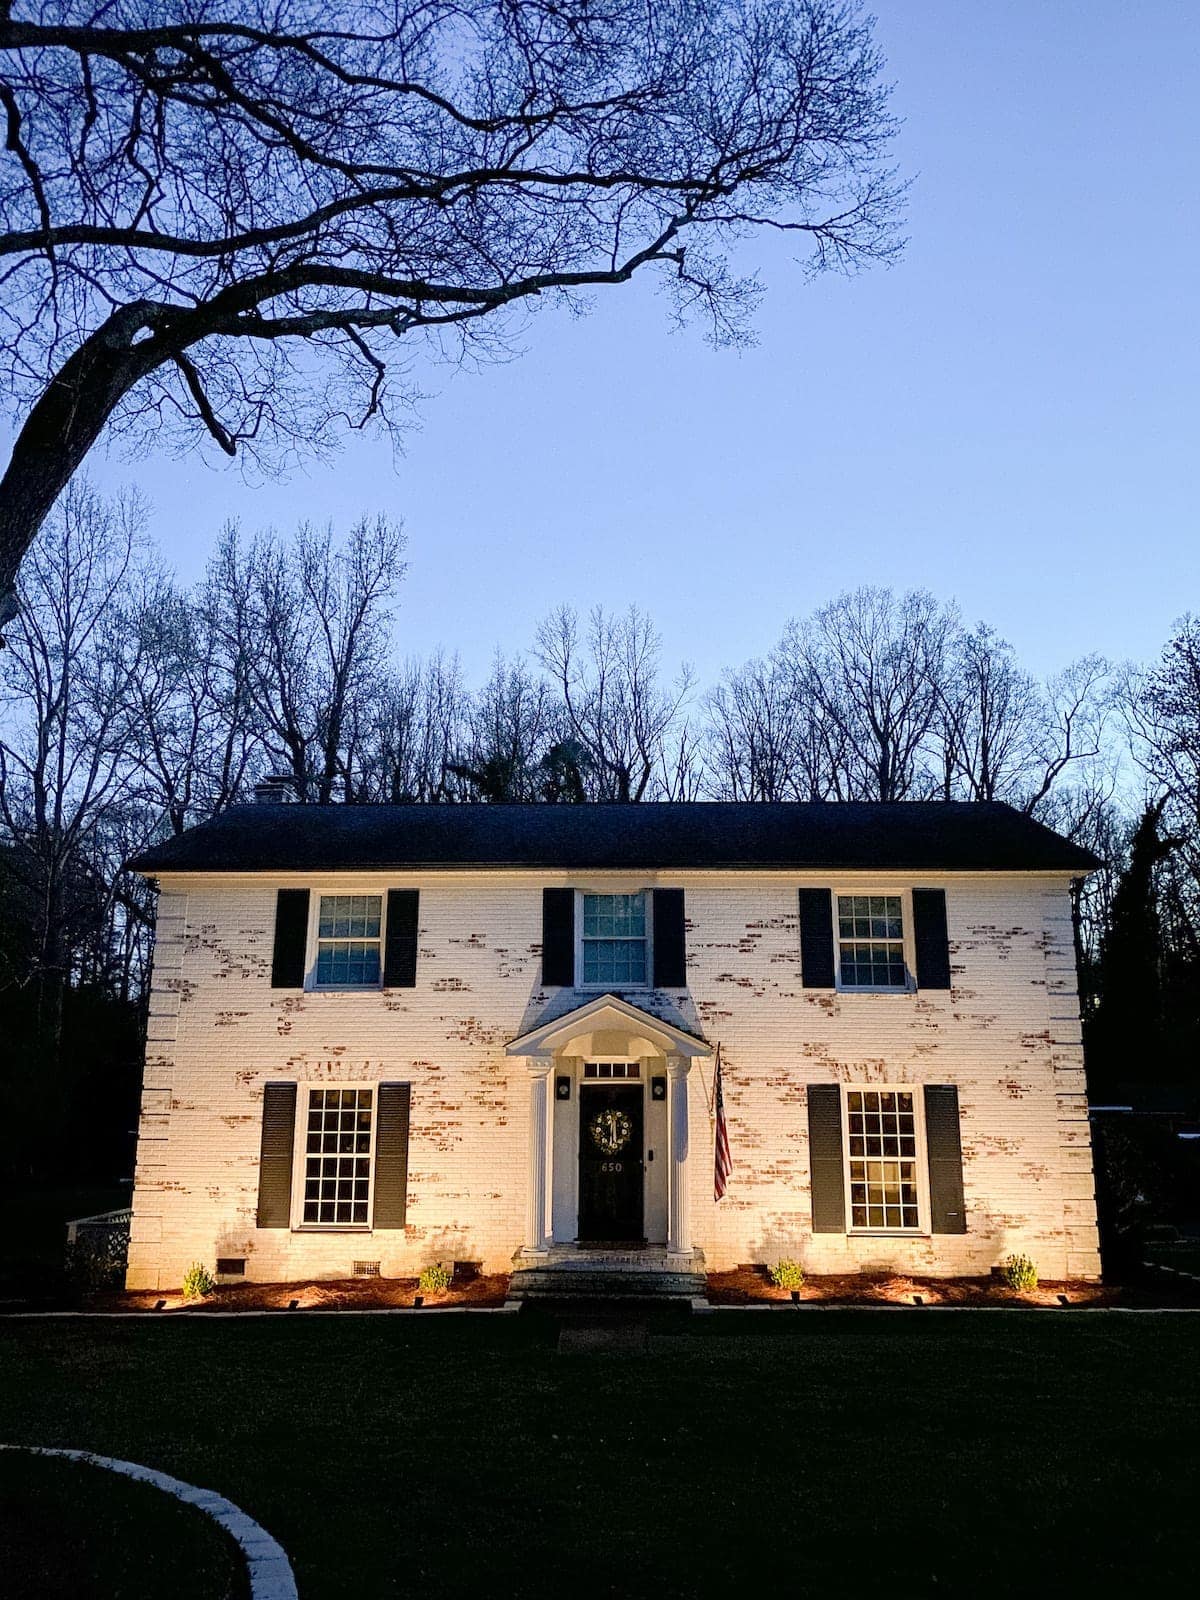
[(610, 1015)]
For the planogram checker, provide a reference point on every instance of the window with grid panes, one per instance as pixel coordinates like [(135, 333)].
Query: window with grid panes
[(337, 1160), (883, 1159), (614, 939), (349, 940), (871, 942)]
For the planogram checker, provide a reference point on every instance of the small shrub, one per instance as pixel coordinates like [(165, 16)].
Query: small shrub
[(1019, 1272), (434, 1280), (197, 1282), (787, 1275)]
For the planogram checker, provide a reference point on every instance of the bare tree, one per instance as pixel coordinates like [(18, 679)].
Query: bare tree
[(1161, 704), (767, 738), (510, 724), (202, 197), (413, 730), (870, 667), (613, 704), (69, 723), (309, 622), (1000, 735)]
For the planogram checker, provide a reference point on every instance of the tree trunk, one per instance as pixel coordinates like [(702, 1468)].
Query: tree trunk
[(62, 427)]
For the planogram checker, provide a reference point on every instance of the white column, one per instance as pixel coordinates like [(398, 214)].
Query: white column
[(539, 1164), (679, 1227)]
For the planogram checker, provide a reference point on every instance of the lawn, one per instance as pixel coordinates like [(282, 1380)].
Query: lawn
[(827, 1453), (68, 1530)]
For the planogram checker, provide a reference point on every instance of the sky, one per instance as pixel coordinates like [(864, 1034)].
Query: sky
[(1007, 417)]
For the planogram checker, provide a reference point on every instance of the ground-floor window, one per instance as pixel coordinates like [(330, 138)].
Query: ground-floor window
[(882, 1158), (337, 1160)]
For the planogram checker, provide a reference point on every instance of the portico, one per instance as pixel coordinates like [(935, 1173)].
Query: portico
[(610, 1137)]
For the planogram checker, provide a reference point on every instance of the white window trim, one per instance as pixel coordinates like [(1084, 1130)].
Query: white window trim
[(300, 1163), (922, 1229), (605, 988), (310, 955), (910, 953)]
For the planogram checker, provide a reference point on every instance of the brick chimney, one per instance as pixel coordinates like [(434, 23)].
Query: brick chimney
[(276, 789)]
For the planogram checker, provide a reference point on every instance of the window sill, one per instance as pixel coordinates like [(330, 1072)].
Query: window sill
[(854, 988), (888, 1233), (332, 1227), (344, 988)]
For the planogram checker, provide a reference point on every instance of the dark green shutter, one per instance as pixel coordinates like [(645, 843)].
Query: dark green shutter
[(816, 938), (930, 939), (558, 936), (670, 953), (400, 939), (291, 939), (943, 1143), (826, 1171), (391, 1154), (275, 1155)]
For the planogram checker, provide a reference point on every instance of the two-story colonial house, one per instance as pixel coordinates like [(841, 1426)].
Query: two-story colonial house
[(384, 1036)]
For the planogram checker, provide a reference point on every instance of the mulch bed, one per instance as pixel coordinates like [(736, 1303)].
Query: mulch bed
[(316, 1294), (751, 1285)]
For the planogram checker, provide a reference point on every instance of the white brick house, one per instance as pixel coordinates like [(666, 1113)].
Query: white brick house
[(399, 1035)]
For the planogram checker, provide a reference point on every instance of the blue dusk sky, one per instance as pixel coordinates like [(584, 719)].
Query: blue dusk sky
[(1008, 416)]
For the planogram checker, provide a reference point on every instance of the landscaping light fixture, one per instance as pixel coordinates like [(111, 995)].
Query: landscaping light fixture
[(160, 1305), (293, 1305)]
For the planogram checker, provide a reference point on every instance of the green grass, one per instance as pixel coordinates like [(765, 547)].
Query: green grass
[(68, 1530), (824, 1453)]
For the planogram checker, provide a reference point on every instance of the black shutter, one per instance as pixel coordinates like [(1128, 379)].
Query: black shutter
[(558, 936), (944, 1146), (291, 939), (826, 1173), (670, 953), (391, 1154), (816, 938), (930, 938), (400, 940), (275, 1155)]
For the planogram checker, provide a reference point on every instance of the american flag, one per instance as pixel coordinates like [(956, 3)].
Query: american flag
[(723, 1163)]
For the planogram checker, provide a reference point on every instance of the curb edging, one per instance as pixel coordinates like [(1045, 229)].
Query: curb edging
[(269, 1570)]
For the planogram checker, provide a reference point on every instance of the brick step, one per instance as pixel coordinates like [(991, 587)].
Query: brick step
[(603, 1283)]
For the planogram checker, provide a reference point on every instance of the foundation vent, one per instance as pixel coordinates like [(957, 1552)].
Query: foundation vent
[(231, 1266), (366, 1269)]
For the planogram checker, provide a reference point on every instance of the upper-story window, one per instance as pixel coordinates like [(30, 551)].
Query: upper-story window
[(871, 942), (349, 941), (614, 939)]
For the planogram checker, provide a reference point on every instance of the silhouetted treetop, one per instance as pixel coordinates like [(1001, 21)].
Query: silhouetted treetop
[(196, 199)]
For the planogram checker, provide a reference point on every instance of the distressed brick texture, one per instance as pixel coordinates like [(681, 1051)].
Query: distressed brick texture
[(1007, 1033)]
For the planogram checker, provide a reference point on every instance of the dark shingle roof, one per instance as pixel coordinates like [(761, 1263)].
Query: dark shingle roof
[(933, 836)]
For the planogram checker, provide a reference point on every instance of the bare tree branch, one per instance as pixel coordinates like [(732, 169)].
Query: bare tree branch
[(190, 193)]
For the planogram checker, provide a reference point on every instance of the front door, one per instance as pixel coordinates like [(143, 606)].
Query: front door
[(610, 1162)]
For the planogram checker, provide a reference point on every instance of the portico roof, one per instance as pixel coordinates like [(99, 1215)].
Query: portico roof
[(606, 1012)]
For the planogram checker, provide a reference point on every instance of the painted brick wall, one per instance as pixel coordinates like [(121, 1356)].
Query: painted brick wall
[(1007, 1034)]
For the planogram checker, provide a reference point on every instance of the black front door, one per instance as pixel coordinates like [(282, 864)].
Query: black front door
[(610, 1162)]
